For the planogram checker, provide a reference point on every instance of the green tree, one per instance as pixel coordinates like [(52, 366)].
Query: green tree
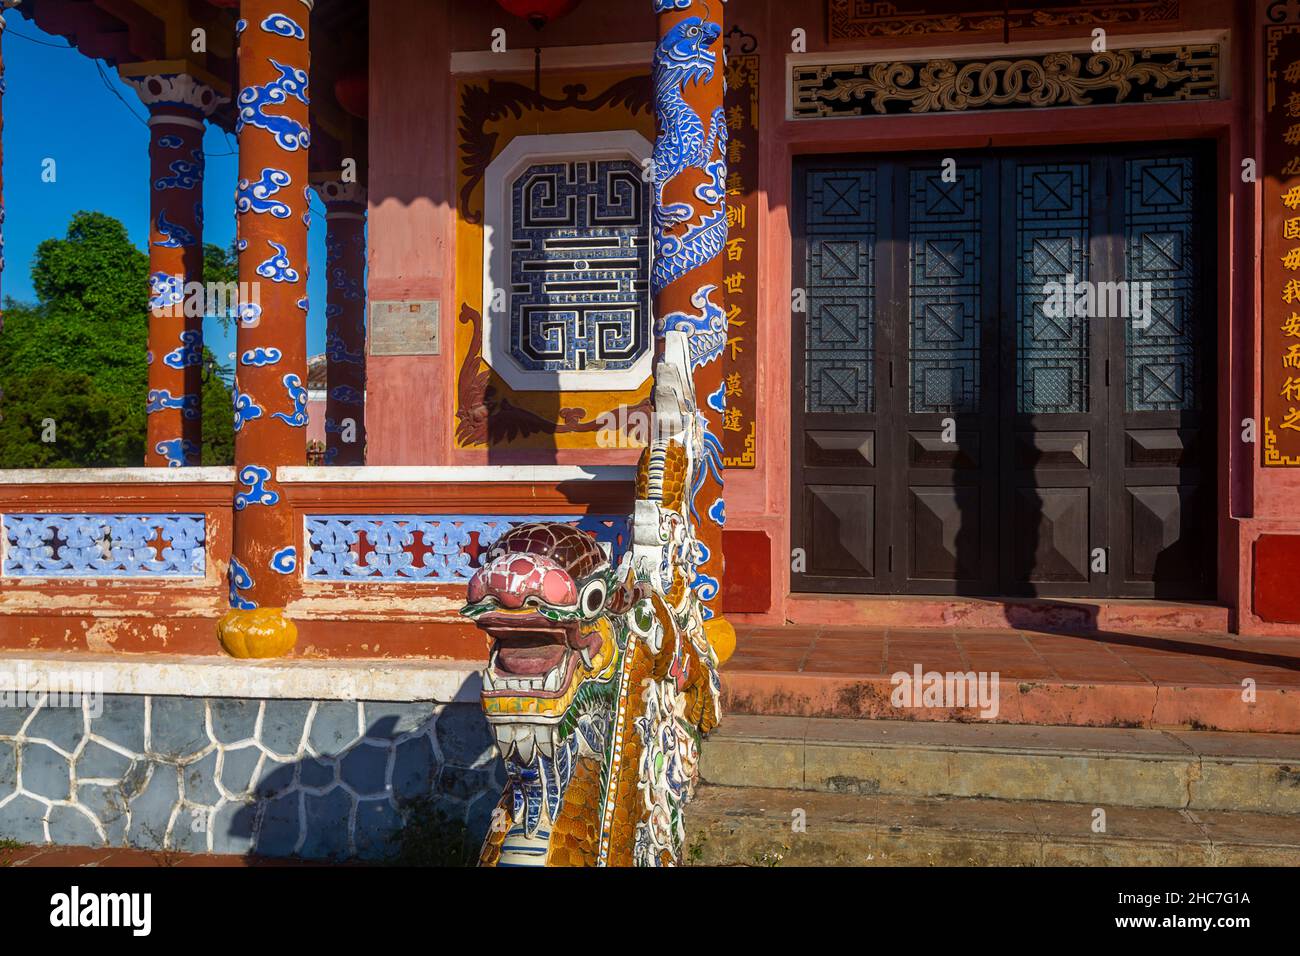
[(58, 418), (218, 414), (78, 357)]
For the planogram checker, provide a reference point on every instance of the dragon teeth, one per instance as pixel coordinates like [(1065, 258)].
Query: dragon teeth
[(552, 681), (505, 738), (545, 742), (524, 742)]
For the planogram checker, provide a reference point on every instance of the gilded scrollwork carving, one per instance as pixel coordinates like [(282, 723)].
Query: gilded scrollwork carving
[(1157, 74)]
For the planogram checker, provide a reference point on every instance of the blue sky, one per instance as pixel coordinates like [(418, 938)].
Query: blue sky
[(57, 105)]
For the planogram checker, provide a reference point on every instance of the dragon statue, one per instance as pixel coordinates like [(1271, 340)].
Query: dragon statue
[(603, 674), (601, 681)]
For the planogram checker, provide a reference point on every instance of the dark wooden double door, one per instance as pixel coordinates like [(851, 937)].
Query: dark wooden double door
[(966, 419)]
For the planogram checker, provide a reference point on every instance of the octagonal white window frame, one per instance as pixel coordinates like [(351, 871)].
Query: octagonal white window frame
[(498, 183)]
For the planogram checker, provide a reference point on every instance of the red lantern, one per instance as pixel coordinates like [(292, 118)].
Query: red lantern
[(352, 90), (538, 12)]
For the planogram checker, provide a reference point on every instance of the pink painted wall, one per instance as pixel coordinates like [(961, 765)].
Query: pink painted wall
[(316, 420), (411, 213)]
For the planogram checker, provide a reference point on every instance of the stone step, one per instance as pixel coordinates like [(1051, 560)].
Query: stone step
[(1067, 615), (1074, 702), (1098, 766), (1192, 680), (747, 826)]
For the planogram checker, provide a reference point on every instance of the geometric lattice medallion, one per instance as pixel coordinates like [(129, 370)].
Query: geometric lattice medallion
[(567, 256)]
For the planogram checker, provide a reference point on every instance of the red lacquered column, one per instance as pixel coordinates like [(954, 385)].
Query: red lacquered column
[(271, 345), (178, 108), (690, 231), (345, 321)]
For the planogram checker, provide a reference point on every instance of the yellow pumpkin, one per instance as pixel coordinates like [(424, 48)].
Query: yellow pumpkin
[(722, 638), (261, 632)]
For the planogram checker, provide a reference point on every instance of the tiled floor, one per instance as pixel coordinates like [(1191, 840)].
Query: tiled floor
[(1167, 658)]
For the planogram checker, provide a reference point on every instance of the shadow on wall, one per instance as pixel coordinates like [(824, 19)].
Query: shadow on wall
[(408, 782)]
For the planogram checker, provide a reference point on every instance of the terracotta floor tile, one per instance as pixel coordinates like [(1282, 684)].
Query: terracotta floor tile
[(1096, 651), (1002, 644), (1116, 672), (1269, 675), (781, 667), (1057, 640), (1097, 672), (823, 664), (1015, 672), (851, 633), (1180, 668), (908, 665), (895, 649), (775, 640), (793, 655)]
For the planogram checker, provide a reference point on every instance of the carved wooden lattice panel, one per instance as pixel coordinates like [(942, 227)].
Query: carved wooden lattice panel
[(944, 242), (1052, 234), (841, 291), (1162, 361)]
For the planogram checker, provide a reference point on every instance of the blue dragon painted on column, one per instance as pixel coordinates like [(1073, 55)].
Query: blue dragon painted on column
[(687, 54)]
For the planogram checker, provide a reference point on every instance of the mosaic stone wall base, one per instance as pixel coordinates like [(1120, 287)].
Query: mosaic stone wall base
[(315, 779)]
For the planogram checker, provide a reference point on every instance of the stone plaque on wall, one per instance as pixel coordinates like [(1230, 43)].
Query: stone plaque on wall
[(408, 327)]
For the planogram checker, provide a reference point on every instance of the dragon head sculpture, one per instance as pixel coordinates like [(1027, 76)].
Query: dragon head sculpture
[(544, 596), (599, 687)]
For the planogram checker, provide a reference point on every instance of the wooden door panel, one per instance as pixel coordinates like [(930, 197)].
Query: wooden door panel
[(1162, 401), (837, 393), (946, 528), (1054, 403), (1051, 538), (1165, 534), (841, 531), (1064, 450), (840, 449), (945, 411), (1161, 447), (929, 449)]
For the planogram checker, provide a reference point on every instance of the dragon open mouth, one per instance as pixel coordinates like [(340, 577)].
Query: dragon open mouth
[(532, 655)]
